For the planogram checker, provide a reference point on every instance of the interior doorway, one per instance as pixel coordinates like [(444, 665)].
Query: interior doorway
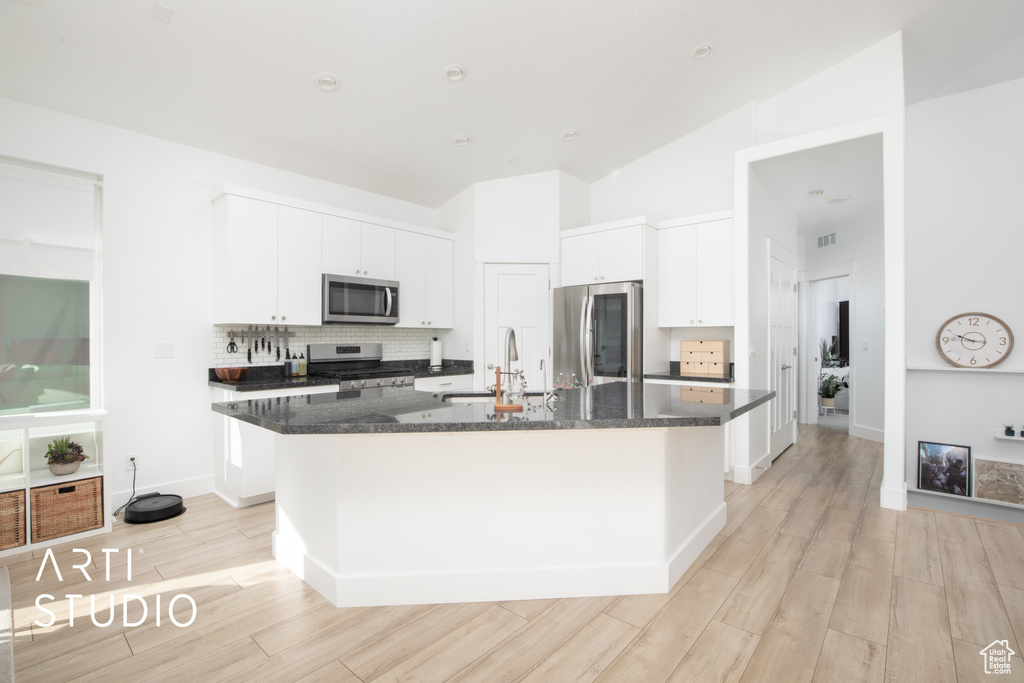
[(830, 331)]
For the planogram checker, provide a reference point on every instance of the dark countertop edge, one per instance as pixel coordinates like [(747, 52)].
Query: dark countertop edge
[(414, 428), (680, 378), (264, 383)]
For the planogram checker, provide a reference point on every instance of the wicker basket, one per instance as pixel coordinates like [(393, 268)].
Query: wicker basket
[(65, 509), (12, 519)]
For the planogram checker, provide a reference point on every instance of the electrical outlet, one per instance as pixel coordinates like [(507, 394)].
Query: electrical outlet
[(131, 461)]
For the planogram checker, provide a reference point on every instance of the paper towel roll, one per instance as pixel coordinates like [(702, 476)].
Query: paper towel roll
[(435, 353)]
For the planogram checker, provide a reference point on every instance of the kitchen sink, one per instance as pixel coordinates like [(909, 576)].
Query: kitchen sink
[(482, 397)]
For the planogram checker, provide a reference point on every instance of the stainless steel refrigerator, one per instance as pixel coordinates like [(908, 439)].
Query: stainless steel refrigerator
[(598, 334)]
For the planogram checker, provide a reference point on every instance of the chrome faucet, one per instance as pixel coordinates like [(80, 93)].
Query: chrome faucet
[(511, 354)]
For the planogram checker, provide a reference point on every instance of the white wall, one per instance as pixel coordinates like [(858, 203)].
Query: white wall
[(869, 83), (457, 216), (965, 249), (516, 220), (157, 279), (859, 242), (689, 176)]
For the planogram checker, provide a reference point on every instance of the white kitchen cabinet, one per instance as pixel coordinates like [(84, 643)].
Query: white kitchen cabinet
[(423, 268), (611, 255), (298, 279), (351, 247), (444, 384), (262, 258), (696, 275), (244, 454)]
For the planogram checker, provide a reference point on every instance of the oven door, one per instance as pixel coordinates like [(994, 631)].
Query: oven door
[(360, 300)]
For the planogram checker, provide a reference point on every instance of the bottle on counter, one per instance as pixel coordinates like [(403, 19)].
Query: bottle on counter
[(302, 365)]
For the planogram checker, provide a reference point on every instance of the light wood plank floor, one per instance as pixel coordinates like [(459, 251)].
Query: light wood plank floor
[(810, 581)]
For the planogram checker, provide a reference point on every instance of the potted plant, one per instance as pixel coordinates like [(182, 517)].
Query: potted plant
[(828, 386), (1008, 430), (828, 358), (64, 456)]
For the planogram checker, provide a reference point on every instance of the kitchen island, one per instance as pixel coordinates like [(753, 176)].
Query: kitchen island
[(390, 496)]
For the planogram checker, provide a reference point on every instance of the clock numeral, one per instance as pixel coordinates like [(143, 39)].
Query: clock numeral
[(1002, 341), (974, 361), (945, 340), (973, 322)]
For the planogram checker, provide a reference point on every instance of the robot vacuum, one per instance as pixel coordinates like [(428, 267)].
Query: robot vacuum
[(153, 507)]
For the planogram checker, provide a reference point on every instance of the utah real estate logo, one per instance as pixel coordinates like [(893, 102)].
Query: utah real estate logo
[(997, 657)]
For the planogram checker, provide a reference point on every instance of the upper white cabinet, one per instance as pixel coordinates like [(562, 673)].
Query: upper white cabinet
[(423, 268), (696, 275), (610, 255), (351, 247), (276, 245)]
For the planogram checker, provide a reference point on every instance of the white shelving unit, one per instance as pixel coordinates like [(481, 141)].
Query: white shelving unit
[(1001, 436), (23, 442)]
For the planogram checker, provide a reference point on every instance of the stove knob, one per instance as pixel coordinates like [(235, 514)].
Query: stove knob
[(378, 383), (354, 384), (401, 380), (363, 383)]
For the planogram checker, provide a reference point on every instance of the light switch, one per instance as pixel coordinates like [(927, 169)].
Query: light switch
[(163, 350), (753, 348), (864, 345)]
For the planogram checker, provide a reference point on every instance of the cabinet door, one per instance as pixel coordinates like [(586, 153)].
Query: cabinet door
[(440, 292), (677, 277), (341, 246), (299, 289), (377, 251), (247, 234), (410, 271), (715, 274), (622, 254), (581, 259)]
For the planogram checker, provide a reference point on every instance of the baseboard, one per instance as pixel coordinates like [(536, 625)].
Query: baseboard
[(748, 475), (894, 498), (869, 433), (186, 488), (499, 585)]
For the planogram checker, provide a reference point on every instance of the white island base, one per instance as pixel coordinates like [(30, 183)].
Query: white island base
[(414, 518)]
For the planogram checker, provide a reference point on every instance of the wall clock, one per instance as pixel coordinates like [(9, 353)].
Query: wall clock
[(974, 340)]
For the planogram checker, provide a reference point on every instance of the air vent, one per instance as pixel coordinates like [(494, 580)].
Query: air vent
[(826, 240)]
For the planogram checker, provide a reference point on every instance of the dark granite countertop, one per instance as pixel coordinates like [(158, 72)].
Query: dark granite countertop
[(673, 374), (386, 410), (270, 377)]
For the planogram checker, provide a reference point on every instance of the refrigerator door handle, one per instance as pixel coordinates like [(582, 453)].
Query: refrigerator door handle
[(589, 358), (584, 333)]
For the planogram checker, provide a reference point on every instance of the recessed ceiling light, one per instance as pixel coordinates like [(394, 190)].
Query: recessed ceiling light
[(813, 194), (702, 51), (462, 141), (454, 72), (570, 134), (837, 198), (327, 82)]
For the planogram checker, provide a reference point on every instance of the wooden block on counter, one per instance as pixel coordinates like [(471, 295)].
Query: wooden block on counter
[(711, 395), (717, 369), (688, 369)]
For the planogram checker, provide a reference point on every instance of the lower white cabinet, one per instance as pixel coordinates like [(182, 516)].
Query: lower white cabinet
[(37, 507), (444, 384), (244, 459)]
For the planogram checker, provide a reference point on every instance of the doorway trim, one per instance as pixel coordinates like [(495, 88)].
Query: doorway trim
[(893, 492)]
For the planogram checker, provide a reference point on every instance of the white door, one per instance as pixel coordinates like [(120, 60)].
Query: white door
[(782, 331), (516, 295)]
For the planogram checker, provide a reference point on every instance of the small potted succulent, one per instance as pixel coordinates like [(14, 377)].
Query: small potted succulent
[(1008, 430), (64, 456)]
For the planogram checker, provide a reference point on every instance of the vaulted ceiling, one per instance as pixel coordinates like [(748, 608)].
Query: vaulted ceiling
[(240, 77)]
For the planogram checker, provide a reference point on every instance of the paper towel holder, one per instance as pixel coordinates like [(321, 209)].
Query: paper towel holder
[(435, 356)]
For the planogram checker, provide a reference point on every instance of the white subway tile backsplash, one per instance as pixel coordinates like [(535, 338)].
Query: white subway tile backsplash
[(399, 343)]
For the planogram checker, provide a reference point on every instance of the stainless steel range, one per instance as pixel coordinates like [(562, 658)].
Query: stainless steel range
[(356, 366)]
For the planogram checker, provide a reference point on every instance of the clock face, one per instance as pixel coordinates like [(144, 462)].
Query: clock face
[(974, 340)]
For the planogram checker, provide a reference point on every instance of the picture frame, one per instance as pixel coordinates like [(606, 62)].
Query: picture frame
[(944, 468)]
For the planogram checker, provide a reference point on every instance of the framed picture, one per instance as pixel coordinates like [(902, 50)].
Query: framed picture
[(944, 468)]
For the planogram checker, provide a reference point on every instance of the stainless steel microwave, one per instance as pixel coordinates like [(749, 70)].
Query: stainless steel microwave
[(360, 300)]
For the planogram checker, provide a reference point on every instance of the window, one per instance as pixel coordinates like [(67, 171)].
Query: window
[(48, 289)]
